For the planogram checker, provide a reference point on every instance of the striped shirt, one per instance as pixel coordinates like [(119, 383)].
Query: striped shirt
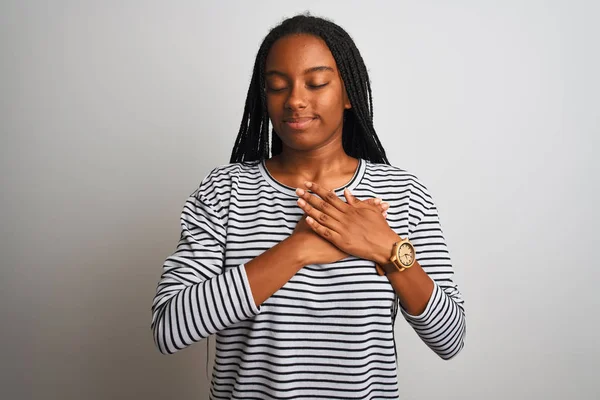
[(328, 332)]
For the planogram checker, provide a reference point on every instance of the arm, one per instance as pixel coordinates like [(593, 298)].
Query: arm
[(195, 299), (429, 299), (442, 324), (268, 272), (358, 231)]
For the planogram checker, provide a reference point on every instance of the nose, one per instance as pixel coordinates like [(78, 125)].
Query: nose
[(296, 98)]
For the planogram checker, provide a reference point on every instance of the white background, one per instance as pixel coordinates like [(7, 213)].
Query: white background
[(112, 112)]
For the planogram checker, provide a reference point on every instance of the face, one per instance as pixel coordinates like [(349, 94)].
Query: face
[(306, 97)]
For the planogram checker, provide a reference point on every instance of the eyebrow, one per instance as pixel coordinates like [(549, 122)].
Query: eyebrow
[(306, 71)]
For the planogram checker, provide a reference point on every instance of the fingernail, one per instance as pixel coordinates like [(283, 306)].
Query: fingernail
[(385, 214), (385, 206), (301, 202), (299, 192), (308, 184), (377, 201)]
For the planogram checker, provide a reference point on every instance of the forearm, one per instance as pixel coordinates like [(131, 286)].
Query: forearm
[(442, 325), (268, 272), (413, 286), (184, 313), (430, 308)]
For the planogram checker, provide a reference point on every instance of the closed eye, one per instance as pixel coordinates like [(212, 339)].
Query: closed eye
[(269, 89), (318, 86), (314, 87)]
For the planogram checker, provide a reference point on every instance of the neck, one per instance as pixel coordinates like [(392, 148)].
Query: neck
[(314, 165)]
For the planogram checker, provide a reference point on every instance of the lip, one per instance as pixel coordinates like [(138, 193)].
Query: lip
[(299, 124)]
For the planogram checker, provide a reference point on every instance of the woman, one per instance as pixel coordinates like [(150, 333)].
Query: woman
[(299, 283)]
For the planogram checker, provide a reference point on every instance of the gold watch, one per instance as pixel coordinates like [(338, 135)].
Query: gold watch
[(403, 257)]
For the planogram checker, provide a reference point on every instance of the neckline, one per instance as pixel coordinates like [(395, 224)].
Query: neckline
[(291, 191)]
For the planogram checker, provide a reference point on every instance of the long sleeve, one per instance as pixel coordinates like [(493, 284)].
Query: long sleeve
[(195, 296), (442, 324)]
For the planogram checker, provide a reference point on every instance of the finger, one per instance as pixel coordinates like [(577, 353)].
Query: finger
[(375, 202), (351, 199), (323, 231), (322, 217), (322, 204), (372, 202), (327, 195)]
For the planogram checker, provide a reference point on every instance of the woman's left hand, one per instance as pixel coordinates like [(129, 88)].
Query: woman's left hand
[(352, 226)]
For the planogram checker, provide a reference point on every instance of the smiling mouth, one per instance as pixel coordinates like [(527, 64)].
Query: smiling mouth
[(299, 124)]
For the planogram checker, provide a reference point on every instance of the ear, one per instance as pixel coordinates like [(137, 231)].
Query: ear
[(345, 98), (347, 104)]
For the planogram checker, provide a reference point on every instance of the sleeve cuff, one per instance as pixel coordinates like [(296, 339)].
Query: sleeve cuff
[(249, 296), (433, 299)]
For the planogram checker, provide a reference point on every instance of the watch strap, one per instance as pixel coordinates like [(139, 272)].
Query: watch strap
[(392, 266)]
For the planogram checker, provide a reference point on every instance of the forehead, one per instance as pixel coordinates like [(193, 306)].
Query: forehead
[(296, 53)]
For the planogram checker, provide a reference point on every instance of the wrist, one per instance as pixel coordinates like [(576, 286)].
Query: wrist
[(383, 252), (298, 255)]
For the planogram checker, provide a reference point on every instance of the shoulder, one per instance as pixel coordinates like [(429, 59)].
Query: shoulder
[(399, 180), (218, 181), (228, 172)]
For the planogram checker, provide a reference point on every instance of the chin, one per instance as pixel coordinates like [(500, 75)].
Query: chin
[(305, 145)]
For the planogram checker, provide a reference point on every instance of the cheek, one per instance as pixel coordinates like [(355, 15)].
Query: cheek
[(331, 106), (270, 104), (274, 108)]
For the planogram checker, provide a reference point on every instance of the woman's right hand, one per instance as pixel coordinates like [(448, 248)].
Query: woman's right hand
[(317, 250)]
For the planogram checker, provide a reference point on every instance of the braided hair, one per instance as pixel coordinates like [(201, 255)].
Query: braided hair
[(358, 135)]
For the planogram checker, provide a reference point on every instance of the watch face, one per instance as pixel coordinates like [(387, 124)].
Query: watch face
[(406, 254)]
